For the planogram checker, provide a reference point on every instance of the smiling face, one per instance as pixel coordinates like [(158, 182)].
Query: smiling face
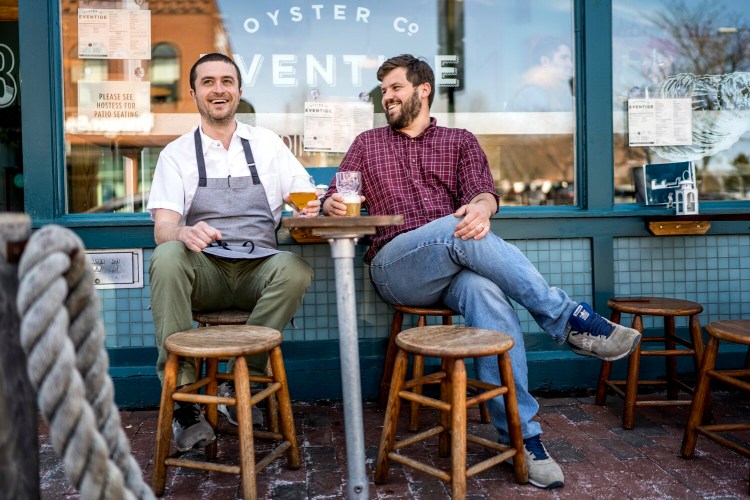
[(402, 101), (217, 92)]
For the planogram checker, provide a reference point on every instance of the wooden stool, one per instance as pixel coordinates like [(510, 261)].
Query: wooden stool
[(418, 366), (214, 343), (238, 317), (452, 344), (735, 331), (669, 309)]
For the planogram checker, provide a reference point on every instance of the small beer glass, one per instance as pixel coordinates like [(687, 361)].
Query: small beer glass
[(348, 184)]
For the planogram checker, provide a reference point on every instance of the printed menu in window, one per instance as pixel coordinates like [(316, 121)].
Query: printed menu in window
[(114, 34), (660, 122), (332, 126)]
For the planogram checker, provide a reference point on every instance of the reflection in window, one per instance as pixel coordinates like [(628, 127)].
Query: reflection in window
[(691, 49), (165, 73), (503, 71)]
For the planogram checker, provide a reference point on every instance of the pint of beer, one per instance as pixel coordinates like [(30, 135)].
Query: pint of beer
[(348, 185), (353, 204)]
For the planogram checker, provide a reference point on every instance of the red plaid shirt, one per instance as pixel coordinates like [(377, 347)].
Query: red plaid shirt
[(424, 177)]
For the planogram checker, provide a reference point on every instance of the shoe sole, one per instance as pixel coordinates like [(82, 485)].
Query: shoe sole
[(556, 484), (590, 354)]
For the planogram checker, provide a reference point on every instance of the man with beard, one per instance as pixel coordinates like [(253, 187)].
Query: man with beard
[(216, 201), (445, 254)]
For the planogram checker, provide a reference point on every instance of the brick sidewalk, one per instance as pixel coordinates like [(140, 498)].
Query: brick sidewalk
[(598, 457)]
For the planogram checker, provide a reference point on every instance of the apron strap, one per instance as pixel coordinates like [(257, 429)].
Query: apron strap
[(250, 160), (202, 162), (199, 158)]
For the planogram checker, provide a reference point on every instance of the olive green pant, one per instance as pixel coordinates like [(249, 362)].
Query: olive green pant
[(183, 281)]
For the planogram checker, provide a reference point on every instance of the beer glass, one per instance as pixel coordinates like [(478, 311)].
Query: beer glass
[(348, 184), (301, 191)]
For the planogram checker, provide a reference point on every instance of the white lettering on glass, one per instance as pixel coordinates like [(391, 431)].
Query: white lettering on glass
[(284, 70), (314, 68)]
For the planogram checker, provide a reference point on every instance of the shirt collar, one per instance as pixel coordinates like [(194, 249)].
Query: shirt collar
[(429, 129), (242, 131)]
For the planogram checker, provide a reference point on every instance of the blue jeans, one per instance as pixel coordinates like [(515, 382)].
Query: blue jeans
[(477, 278)]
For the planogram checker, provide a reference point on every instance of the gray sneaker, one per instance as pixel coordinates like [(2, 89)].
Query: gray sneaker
[(543, 470), (226, 390), (190, 428), (595, 336)]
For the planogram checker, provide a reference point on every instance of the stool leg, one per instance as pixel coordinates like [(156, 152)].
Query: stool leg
[(417, 372), (700, 397), (285, 408), (631, 386), (390, 357), (605, 371), (601, 389), (272, 405), (670, 361), (696, 336), (245, 427), (458, 428), (446, 394), (388, 435), (164, 429), (212, 414), (520, 468)]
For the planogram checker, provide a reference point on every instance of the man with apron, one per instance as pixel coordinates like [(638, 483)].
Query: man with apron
[(216, 201)]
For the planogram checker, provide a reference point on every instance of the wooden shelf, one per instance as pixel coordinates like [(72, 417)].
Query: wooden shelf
[(678, 227)]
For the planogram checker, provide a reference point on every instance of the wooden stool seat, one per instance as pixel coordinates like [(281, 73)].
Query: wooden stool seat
[(227, 317), (669, 309), (452, 344), (212, 344), (223, 341), (657, 306), (390, 357), (737, 332)]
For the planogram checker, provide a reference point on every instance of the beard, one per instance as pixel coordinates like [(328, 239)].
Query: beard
[(409, 111), (215, 117)]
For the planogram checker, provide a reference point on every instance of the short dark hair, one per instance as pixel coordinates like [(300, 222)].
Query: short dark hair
[(214, 56), (417, 71)]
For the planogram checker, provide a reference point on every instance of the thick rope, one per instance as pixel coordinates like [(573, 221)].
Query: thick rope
[(63, 338)]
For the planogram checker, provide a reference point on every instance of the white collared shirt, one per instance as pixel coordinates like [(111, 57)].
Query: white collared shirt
[(176, 175)]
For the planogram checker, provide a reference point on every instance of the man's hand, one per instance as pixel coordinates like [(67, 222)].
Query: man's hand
[(199, 236), (312, 209), (335, 205), (475, 223), (167, 228)]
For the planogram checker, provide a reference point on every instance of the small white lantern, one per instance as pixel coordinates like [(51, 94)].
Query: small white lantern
[(686, 202)]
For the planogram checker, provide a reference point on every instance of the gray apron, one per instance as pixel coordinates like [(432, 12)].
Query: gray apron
[(237, 207)]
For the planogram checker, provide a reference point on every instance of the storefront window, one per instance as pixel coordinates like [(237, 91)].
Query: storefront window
[(671, 52), (12, 179), (504, 70)]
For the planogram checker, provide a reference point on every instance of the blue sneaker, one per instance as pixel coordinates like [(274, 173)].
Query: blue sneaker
[(544, 472), (595, 336)]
